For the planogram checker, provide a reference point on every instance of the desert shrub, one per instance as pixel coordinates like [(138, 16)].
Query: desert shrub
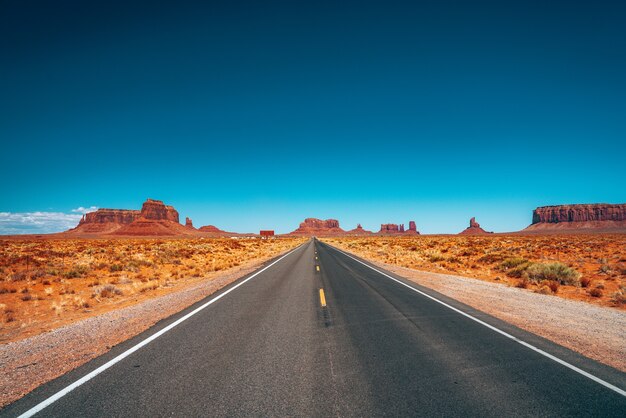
[(491, 258), (544, 290), (27, 297), (115, 267), (107, 291), (618, 298), (515, 266), (522, 284), (76, 272), (19, 276), (553, 285), (605, 269), (585, 281), (596, 293), (512, 262), (435, 256), (553, 271), (9, 316), (519, 271)]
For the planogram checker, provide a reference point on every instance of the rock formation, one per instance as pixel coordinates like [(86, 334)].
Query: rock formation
[(359, 231), (389, 229), (154, 219), (598, 216), (474, 229), (398, 229), (188, 222), (157, 210), (210, 229), (314, 226), (101, 216)]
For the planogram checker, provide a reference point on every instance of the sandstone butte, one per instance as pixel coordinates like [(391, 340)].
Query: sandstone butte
[(154, 219), (474, 229), (314, 226), (398, 229), (597, 216), (359, 231)]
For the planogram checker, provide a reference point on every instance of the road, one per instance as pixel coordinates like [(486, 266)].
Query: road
[(267, 347)]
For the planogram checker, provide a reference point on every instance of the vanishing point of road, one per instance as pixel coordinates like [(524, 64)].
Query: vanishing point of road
[(318, 332)]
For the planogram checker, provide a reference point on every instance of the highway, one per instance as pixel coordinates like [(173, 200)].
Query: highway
[(369, 343)]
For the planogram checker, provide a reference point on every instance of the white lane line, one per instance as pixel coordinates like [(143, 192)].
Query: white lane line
[(499, 331), (37, 408)]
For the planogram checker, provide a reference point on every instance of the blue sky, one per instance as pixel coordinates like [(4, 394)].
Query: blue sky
[(247, 116)]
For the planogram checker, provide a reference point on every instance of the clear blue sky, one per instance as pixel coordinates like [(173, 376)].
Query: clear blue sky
[(250, 116)]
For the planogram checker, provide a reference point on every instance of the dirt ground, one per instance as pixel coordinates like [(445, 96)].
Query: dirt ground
[(46, 284), (591, 267)]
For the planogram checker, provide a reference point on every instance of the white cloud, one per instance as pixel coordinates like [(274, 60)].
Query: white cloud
[(81, 209), (37, 222)]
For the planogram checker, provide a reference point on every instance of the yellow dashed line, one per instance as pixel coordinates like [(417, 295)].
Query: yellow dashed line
[(317, 268), (322, 298)]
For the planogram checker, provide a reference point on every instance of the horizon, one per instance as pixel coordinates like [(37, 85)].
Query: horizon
[(250, 117), (51, 222)]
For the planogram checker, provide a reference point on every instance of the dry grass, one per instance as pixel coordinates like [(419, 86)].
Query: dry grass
[(564, 265), (48, 283)]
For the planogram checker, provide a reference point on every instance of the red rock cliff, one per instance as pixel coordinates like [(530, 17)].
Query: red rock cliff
[(579, 213), (157, 211), (101, 216), (314, 226), (389, 228)]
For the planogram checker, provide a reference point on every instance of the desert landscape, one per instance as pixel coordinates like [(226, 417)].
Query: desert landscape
[(48, 283), (586, 267), (295, 209)]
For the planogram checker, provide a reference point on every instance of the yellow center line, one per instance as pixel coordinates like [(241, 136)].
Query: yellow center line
[(322, 298), (317, 268)]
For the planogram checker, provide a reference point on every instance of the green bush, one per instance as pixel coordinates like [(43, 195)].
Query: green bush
[(553, 271), (515, 266), (512, 262)]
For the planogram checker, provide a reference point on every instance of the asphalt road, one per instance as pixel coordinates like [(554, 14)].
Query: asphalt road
[(269, 348)]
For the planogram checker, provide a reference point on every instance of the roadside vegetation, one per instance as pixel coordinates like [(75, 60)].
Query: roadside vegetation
[(47, 283), (582, 267)]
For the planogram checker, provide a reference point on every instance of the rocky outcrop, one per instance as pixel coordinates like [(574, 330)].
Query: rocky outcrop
[(398, 229), (314, 226), (210, 229), (157, 211), (103, 216), (579, 213), (597, 216), (389, 228), (154, 219), (188, 222), (474, 229), (359, 231)]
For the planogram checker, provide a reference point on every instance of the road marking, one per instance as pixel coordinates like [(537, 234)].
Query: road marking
[(316, 257), (499, 331), (317, 268), (322, 298), (49, 401)]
